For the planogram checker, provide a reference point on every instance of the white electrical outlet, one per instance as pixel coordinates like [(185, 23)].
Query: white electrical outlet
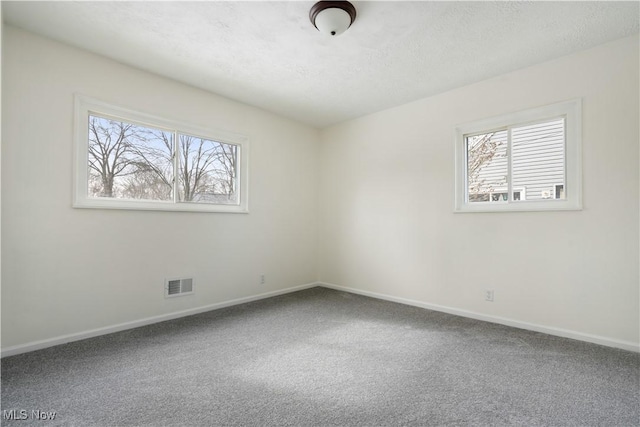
[(488, 295), (263, 280)]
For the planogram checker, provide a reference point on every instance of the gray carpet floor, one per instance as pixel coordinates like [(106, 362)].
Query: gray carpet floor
[(320, 357)]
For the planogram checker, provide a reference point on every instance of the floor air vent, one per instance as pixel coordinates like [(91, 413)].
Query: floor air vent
[(178, 287)]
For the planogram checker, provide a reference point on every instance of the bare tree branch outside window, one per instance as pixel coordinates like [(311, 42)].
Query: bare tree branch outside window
[(207, 170), (129, 161), (486, 164), (132, 161)]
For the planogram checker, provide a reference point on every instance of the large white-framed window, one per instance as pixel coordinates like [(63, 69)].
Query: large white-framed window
[(126, 159), (524, 161)]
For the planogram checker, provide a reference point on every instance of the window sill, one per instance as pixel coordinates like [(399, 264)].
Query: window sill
[(523, 206), (142, 205)]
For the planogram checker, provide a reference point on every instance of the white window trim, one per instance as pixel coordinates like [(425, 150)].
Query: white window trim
[(572, 111), (85, 105)]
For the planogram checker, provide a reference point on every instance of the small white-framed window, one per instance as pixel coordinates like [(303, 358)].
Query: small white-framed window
[(524, 161), (125, 159), (558, 191)]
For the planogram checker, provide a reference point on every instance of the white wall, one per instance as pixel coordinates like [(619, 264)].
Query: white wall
[(66, 271), (383, 210), (387, 221)]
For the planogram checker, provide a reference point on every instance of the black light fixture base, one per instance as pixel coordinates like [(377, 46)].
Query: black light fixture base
[(322, 5)]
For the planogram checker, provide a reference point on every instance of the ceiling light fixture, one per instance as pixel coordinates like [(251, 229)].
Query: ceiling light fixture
[(332, 17)]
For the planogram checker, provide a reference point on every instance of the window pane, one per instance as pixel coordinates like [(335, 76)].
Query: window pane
[(129, 161), (487, 167), (207, 171), (538, 159)]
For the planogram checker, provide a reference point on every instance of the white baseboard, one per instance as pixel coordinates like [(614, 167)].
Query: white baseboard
[(50, 342), (595, 339), (38, 345)]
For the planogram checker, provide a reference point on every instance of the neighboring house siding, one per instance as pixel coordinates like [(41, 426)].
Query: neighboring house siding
[(538, 158), (538, 163)]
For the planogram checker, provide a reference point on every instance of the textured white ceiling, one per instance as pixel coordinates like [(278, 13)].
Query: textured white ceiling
[(268, 54)]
